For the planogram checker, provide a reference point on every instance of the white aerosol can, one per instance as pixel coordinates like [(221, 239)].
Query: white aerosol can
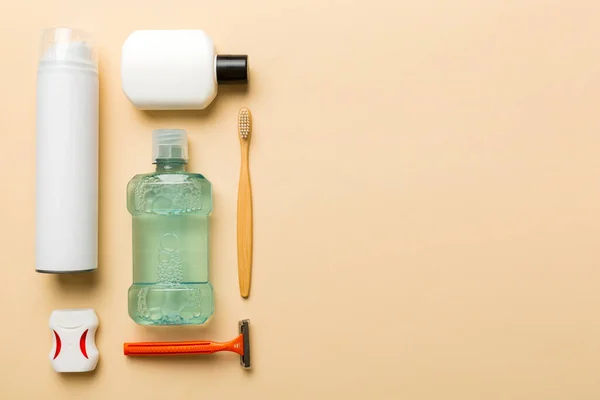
[(67, 153)]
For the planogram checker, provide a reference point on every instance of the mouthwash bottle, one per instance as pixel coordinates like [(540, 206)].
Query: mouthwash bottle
[(170, 210)]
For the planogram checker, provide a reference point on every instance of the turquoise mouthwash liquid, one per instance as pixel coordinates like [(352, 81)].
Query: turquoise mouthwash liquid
[(170, 210)]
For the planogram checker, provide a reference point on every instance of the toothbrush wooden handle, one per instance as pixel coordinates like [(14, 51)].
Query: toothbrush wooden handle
[(244, 225)]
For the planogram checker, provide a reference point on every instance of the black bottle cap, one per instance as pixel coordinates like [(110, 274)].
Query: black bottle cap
[(232, 69)]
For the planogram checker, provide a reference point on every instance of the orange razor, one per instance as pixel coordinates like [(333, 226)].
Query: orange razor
[(239, 345)]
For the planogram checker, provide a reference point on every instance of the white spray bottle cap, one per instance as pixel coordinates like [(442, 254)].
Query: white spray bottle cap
[(68, 46)]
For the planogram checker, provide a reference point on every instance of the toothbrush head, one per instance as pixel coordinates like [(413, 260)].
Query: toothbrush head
[(244, 123)]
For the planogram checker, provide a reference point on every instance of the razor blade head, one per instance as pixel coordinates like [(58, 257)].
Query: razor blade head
[(244, 326)]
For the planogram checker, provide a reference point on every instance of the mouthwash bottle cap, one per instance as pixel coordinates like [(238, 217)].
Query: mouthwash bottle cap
[(169, 144)]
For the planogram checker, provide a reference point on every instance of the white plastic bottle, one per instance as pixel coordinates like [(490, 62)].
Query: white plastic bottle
[(176, 69), (67, 153)]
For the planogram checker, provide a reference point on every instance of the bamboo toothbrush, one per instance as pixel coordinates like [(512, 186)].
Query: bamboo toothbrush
[(244, 206)]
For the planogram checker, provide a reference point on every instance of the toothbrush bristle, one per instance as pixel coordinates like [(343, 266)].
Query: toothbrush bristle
[(244, 123)]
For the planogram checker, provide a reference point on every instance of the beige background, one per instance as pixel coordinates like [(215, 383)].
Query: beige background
[(426, 183)]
